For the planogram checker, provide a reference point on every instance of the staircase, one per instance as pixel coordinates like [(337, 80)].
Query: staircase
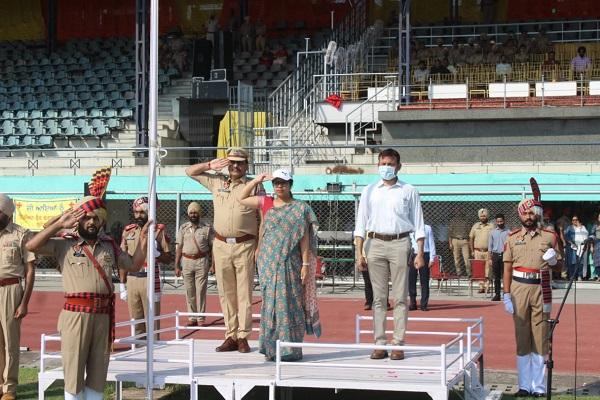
[(168, 106)]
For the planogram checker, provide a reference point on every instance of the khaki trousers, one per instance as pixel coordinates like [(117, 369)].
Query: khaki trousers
[(137, 303), (385, 259), (195, 281), (531, 329), (234, 269), (461, 253), (483, 255), (84, 348), (10, 337)]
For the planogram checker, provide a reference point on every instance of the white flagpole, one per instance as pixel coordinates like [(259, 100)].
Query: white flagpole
[(152, 153)]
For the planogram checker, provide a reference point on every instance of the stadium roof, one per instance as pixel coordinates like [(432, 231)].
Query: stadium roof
[(433, 187)]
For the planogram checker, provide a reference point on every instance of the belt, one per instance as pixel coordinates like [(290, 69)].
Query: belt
[(194, 256), (138, 274), (527, 280), (482, 250), (526, 273), (234, 240), (96, 303), (9, 281), (459, 238), (387, 238)]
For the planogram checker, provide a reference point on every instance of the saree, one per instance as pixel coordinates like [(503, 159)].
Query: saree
[(289, 308)]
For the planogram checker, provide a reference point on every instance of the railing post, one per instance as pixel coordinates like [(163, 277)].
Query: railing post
[(581, 89), (504, 78), (543, 90)]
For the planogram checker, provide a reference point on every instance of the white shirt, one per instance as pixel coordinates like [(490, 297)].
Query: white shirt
[(428, 245), (390, 210)]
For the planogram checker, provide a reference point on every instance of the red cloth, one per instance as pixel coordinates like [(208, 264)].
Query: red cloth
[(335, 100), (108, 309), (266, 204)]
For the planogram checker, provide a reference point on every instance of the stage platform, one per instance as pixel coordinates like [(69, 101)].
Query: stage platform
[(435, 369)]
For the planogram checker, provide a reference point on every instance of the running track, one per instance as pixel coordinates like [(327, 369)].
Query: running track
[(337, 318)]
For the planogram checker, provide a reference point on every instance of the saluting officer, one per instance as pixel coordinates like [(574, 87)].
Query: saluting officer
[(194, 243), (236, 228), (16, 265), (86, 259), (136, 282)]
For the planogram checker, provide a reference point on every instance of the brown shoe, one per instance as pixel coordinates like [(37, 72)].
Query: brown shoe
[(378, 354), (397, 355), (229, 344), (8, 396), (242, 345), (192, 323), (368, 307)]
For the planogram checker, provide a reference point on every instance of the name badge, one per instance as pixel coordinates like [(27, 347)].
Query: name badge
[(223, 190), (230, 241)]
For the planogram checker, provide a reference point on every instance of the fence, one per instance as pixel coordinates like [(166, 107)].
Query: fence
[(336, 215)]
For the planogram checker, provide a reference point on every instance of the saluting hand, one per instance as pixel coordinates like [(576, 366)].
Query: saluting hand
[(262, 178), (71, 218), (218, 164)]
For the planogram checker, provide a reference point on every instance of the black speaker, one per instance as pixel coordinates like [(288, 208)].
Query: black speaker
[(202, 58)]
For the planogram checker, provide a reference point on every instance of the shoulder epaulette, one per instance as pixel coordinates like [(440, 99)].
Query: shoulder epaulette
[(514, 231), (130, 227)]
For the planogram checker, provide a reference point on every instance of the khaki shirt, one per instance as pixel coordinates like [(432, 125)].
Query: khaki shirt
[(131, 238), (232, 219), (13, 254), (526, 250), (480, 233), (78, 272), (193, 238), (458, 228)]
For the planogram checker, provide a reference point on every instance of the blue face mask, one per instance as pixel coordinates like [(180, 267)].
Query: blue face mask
[(386, 172)]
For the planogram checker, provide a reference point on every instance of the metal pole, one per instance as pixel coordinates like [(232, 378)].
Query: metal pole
[(153, 149), (407, 50), (400, 3)]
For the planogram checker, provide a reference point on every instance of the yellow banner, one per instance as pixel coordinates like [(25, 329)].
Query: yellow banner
[(33, 213)]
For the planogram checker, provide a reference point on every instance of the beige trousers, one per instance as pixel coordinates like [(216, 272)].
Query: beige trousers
[(461, 253), (10, 337), (84, 348), (195, 281), (234, 268), (530, 331), (483, 255), (137, 303), (385, 259)]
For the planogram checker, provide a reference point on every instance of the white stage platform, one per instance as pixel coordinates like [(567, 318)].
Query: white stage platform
[(433, 369)]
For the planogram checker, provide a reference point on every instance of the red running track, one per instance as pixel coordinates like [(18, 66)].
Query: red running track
[(337, 318)]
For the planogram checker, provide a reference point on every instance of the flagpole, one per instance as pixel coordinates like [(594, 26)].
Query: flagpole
[(152, 153)]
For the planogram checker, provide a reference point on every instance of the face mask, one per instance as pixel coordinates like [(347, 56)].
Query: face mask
[(386, 172)]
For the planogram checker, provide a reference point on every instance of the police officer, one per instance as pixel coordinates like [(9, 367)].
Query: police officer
[(458, 234), (133, 285), (86, 259), (479, 237), (16, 265), (528, 254), (236, 228), (194, 242)]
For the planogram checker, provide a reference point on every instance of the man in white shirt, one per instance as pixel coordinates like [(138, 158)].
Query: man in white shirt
[(428, 255), (388, 212)]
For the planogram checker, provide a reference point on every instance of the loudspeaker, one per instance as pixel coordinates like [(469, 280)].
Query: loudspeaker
[(202, 58), (218, 75)]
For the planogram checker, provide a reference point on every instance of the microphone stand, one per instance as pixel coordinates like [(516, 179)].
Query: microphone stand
[(554, 321)]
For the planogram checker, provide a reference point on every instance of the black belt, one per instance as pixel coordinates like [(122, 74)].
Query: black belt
[(138, 274), (458, 238), (387, 238), (528, 281)]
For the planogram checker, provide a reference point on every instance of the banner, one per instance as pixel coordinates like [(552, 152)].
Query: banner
[(33, 213)]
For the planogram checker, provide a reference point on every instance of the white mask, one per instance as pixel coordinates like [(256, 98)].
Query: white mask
[(386, 172)]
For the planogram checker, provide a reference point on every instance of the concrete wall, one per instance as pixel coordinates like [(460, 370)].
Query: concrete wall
[(495, 135)]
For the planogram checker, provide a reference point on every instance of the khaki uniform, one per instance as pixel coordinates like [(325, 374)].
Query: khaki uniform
[(234, 262), (137, 282), (84, 336), (13, 258), (524, 250), (195, 242), (480, 233), (458, 234)]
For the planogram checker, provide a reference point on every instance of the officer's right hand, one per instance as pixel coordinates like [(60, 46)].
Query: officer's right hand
[(361, 263), (178, 272), (71, 218), (508, 305), (218, 164)]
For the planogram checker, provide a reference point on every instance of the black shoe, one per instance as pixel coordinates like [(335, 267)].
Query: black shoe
[(424, 308), (412, 307), (538, 394), (522, 393), (367, 307), (496, 298)]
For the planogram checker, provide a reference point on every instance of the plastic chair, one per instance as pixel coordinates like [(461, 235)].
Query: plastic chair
[(477, 273)]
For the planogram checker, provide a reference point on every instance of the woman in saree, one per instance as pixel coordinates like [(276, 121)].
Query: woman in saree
[(286, 260)]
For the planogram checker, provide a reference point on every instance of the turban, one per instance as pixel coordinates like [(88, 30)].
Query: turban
[(526, 204), (94, 205), (6, 205), (483, 211), (193, 206), (141, 203)]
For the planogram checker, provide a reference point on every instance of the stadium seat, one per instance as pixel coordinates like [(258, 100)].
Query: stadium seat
[(45, 141)]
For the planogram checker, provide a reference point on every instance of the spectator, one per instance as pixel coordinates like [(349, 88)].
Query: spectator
[(247, 34), (575, 236), (421, 74), (261, 36), (438, 68), (423, 273), (541, 44), (523, 40), (595, 235), (267, 58), (562, 223), (485, 43), (476, 56), (439, 51), (523, 55), (459, 59), (281, 55), (581, 63), (458, 234), (495, 54), (211, 27), (178, 51), (509, 47), (451, 68), (479, 238), (454, 52), (503, 68), (495, 250), (470, 49), (423, 53), (549, 68)]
